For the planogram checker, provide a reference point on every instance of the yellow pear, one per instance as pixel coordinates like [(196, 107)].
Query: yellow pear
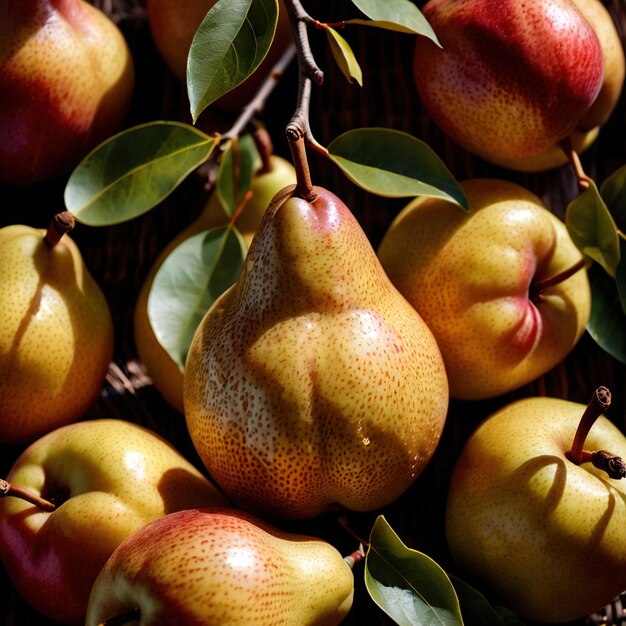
[(163, 370), (56, 333), (475, 278), (312, 384), (536, 528), (66, 79)]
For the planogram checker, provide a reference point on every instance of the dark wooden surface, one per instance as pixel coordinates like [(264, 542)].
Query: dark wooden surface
[(120, 256)]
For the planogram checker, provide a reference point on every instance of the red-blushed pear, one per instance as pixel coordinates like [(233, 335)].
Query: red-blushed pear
[(502, 287), (173, 26), (536, 518), (66, 79), (219, 566), (162, 369), (312, 384), (105, 479), (56, 331), (511, 79)]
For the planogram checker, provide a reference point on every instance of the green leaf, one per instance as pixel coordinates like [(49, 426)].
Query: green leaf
[(408, 585), (607, 322), (235, 172), (613, 192), (397, 15), (134, 170), (228, 46), (394, 164), (190, 279), (592, 228), (342, 52), (476, 609)]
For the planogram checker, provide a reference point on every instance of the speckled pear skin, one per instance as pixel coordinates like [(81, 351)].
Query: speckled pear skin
[(511, 78), (312, 384), (546, 534), (208, 567), (109, 478), (56, 334), (469, 277), (66, 79)]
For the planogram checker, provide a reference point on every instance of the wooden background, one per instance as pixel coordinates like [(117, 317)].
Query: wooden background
[(120, 256)]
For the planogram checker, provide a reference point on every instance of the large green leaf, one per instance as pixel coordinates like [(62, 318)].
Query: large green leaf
[(228, 46), (235, 172), (133, 171), (408, 585), (398, 15), (343, 55), (395, 164), (607, 322), (592, 228), (190, 279)]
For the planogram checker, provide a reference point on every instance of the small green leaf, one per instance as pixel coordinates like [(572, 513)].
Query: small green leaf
[(476, 609), (235, 172), (190, 279), (607, 322), (613, 192), (408, 585), (228, 46), (397, 15), (342, 52), (394, 164), (134, 170), (592, 228)]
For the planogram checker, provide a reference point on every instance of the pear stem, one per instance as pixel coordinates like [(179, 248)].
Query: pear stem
[(123, 618), (264, 145), (536, 289), (304, 186), (60, 225), (356, 557), (574, 160), (9, 489), (237, 212), (610, 463)]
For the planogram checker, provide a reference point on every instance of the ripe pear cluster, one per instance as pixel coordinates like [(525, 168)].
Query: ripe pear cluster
[(321, 381)]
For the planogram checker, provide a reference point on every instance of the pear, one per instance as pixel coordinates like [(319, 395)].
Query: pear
[(220, 566), (66, 79), (163, 370), (312, 384), (173, 26), (56, 332)]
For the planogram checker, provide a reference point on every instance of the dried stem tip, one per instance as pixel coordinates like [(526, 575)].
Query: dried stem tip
[(9, 489), (61, 224)]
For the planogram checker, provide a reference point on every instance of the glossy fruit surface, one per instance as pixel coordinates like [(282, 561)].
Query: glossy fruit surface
[(66, 79), (546, 534), (312, 384), (471, 277), (109, 478), (210, 566), (512, 78), (56, 334)]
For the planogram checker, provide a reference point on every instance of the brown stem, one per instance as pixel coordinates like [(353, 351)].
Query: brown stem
[(9, 489), (304, 186), (60, 225), (237, 212), (127, 617), (537, 288), (356, 557), (264, 145), (574, 160), (612, 464)]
